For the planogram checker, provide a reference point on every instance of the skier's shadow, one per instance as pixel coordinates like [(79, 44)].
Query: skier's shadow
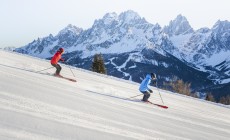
[(111, 96)]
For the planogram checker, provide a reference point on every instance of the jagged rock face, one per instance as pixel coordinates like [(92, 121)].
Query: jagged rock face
[(179, 26), (68, 36), (132, 47), (47, 46)]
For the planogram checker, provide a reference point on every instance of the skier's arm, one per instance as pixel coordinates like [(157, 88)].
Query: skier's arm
[(154, 81), (149, 88)]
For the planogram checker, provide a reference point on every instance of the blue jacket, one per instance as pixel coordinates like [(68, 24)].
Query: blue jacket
[(145, 83)]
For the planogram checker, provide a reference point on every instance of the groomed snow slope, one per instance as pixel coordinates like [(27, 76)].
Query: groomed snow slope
[(38, 106)]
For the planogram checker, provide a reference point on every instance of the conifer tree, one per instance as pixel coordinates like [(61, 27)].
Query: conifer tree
[(98, 64)]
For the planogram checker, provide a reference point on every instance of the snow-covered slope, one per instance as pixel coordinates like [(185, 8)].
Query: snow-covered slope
[(39, 106)]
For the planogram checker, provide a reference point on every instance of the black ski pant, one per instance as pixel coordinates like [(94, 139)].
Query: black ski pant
[(58, 68), (146, 95)]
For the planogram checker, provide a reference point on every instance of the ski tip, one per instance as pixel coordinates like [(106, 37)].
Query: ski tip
[(165, 107), (73, 80), (162, 106)]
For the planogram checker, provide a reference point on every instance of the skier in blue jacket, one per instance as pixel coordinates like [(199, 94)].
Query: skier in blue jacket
[(144, 86)]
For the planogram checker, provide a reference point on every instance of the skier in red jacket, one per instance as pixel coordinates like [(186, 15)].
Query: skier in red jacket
[(55, 59)]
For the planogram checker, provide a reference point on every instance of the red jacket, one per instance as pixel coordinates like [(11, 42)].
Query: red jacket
[(56, 58)]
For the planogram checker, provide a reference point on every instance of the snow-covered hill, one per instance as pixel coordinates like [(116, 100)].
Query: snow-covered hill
[(39, 106)]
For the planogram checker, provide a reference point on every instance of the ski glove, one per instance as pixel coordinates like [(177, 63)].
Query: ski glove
[(62, 59), (154, 83), (150, 91)]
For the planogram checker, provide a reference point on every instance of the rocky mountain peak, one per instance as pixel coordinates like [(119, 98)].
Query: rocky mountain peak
[(221, 26), (178, 26), (129, 16), (110, 17), (70, 29)]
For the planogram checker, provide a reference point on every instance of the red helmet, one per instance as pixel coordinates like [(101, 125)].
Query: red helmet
[(61, 50)]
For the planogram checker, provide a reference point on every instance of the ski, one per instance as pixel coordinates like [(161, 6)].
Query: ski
[(149, 102), (60, 76), (162, 106)]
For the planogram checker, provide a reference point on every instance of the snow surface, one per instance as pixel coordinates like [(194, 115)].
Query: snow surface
[(37, 106), (217, 58)]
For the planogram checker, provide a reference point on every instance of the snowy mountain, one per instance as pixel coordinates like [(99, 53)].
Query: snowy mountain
[(133, 47), (113, 33), (206, 49), (35, 105), (45, 47), (179, 26)]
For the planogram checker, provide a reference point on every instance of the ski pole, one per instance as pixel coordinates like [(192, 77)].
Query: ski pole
[(69, 68), (71, 71), (159, 93), (45, 69)]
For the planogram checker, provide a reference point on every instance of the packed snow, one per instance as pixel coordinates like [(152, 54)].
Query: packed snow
[(38, 106)]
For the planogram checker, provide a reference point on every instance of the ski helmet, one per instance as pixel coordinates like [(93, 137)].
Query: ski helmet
[(153, 75), (61, 50)]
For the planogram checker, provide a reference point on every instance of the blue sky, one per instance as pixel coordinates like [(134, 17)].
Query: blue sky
[(22, 21)]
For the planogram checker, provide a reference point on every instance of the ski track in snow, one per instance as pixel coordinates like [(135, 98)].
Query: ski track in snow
[(64, 115), (7, 133)]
